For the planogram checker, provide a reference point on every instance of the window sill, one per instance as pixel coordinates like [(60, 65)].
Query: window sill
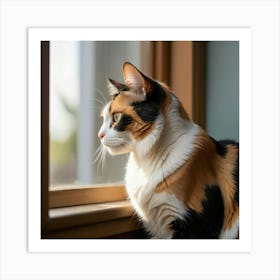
[(62, 196), (101, 220)]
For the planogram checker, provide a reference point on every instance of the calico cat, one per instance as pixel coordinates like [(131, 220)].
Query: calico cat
[(181, 182)]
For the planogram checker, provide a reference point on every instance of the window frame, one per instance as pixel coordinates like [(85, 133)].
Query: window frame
[(66, 197), (118, 222), (182, 66)]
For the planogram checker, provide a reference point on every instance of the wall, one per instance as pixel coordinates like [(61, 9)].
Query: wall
[(222, 90)]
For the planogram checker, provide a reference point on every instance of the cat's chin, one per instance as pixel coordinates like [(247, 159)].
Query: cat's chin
[(118, 150)]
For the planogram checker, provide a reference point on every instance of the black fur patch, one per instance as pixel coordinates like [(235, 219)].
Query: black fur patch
[(157, 94), (123, 123), (148, 110), (236, 169), (236, 179), (118, 85), (220, 148), (208, 224), (114, 96)]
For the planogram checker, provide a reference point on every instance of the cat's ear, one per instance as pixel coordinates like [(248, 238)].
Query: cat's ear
[(136, 80), (115, 87)]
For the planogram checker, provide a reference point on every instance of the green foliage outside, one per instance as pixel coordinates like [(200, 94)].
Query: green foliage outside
[(63, 153)]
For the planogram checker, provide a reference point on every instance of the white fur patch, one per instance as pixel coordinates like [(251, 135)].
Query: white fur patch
[(112, 88), (231, 233), (162, 209), (116, 142)]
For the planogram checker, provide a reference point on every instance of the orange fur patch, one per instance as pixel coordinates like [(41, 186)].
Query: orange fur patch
[(204, 168), (138, 127), (168, 100), (189, 181), (182, 112), (225, 168), (165, 104)]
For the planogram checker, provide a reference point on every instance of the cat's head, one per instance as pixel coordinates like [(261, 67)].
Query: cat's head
[(134, 116)]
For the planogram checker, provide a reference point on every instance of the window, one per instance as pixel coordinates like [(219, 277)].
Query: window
[(64, 109), (79, 199), (78, 91)]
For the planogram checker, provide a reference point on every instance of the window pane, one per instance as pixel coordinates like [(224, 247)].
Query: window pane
[(78, 91), (64, 105)]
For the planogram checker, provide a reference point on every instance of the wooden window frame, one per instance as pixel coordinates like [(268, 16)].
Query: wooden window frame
[(103, 211), (181, 65)]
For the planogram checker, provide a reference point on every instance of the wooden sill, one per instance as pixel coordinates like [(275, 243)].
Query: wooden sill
[(100, 220), (64, 196), (66, 217), (126, 227)]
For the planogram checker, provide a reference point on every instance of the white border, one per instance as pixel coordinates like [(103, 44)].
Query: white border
[(243, 35), (262, 16)]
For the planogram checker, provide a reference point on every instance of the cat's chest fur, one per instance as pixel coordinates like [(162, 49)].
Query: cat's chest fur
[(157, 210)]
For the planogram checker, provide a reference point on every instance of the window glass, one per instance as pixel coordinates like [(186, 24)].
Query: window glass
[(64, 107), (78, 91)]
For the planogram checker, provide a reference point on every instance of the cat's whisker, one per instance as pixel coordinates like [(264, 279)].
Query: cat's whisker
[(94, 100), (102, 95), (103, 157), (95, 104), (100, 157), (99, 101)]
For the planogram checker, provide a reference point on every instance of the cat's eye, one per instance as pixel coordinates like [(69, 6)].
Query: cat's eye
[(117, 117)]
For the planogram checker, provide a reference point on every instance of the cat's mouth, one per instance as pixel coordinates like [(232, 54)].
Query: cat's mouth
[(116, 148), (112, 144)]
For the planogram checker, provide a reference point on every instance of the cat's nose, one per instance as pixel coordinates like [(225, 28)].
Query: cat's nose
[(101, 135)]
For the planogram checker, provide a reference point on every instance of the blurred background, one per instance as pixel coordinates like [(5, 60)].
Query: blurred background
[(204, 75)]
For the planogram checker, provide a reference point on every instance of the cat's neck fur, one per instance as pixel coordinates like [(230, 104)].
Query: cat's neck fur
[(168, 146)]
